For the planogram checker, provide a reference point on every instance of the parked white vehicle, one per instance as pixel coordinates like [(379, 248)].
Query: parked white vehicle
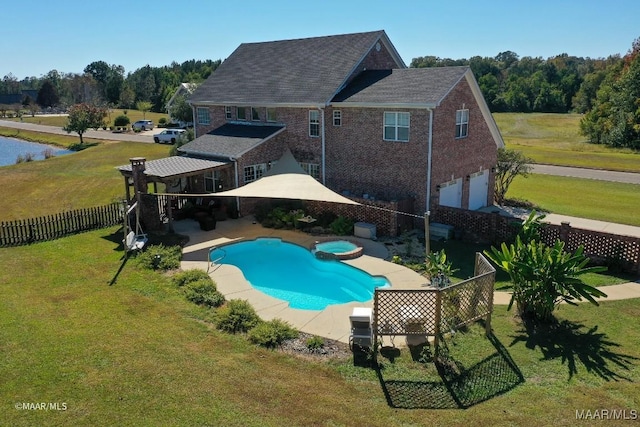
[(169, 136)]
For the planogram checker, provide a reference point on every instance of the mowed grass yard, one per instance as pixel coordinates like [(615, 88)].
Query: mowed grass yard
[(137, 353), (555, 139), (61, 120)]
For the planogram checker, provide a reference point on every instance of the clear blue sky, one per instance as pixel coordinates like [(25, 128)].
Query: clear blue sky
[(40, 35)]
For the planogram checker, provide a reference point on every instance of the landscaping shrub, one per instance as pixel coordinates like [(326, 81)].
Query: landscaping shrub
[(342, 226), (272, 333), (121, 121), (237, 316), (203, 292), (160, 257), (162, 121), (326, 218), (187, 276), (315, 343)]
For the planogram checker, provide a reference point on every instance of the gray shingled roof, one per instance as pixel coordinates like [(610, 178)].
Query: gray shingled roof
[(174, 166), (420, 86), (229, 140), (301, 71)]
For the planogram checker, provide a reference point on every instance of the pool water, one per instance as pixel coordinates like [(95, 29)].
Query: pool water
[(336, 246), (292, 273)]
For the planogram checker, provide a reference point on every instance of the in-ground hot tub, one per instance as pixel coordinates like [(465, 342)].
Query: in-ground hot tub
[(336, 249)]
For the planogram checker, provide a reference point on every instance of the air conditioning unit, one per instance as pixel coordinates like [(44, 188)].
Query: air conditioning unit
[(365, 230)]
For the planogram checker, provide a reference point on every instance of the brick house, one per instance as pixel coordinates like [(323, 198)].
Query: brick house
[(354, 117)]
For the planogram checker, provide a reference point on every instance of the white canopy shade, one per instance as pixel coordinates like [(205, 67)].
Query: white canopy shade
[(287, 180)]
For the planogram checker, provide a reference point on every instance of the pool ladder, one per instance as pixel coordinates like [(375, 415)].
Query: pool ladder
[(211, 262)]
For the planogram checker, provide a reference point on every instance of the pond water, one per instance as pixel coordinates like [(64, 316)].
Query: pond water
[(10, 149)]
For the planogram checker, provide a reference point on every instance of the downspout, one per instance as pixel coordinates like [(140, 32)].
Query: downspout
[(235, 167), (427, 213), (429, 158), (193, 117), (323, 149)]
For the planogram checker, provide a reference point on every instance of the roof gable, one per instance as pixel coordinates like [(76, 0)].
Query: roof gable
[(295, 72), (423, 87)]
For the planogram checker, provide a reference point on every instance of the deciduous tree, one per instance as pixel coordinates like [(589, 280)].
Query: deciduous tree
[(511, 163), (143, 106), (83, 117), (47, 95)]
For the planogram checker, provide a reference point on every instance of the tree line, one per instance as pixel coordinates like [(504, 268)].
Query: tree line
[(106, 85), (605, 90)]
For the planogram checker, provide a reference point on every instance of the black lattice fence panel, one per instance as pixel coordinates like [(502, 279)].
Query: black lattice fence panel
[(405, 312)]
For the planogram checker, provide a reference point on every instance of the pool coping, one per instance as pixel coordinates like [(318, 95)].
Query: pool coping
[(331, 322)]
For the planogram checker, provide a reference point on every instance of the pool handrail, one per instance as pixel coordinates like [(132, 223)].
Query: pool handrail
[(211, 262)]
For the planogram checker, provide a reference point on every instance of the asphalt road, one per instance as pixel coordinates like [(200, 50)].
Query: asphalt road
[(146, 136), (603, 175)]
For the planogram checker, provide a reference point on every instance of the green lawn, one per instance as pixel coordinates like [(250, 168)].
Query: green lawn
[(136, 353), (585, 198), (80, 180), (60, 121), (555, 139)]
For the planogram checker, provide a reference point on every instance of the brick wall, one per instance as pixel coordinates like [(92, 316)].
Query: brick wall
[(457, 158), (601, 248), (381, 213)]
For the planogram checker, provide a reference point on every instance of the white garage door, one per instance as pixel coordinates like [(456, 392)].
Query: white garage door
[(478, 190), (451, 193)]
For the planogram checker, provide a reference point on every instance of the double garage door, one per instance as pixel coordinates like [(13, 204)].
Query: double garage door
[(451, 192)]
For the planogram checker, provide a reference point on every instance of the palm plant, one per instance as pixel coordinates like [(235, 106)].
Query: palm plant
[(543, 276)]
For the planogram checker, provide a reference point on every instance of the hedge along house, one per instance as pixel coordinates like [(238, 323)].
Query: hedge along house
[(354, 117)]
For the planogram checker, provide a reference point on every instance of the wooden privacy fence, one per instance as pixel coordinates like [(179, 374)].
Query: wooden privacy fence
[(435, 311), (22, 232)]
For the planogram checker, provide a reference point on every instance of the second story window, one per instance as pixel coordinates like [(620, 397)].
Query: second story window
[(314, 123), (396, 126), (255, 114), (271, 114), (462, 123), (203, 116), (337, 118), (227, 113)]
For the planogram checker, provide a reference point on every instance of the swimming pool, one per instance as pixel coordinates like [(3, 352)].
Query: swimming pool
[(292, 273)]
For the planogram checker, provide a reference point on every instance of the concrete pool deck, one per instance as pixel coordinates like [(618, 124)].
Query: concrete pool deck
[(333, 321)]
